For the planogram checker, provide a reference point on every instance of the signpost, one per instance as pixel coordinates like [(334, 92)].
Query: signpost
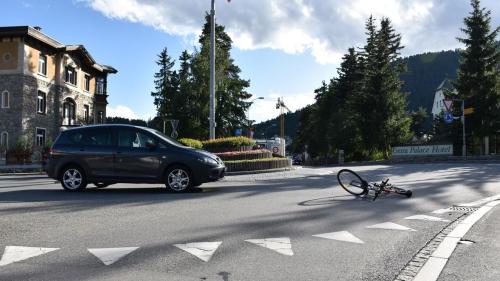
[(448, 118)]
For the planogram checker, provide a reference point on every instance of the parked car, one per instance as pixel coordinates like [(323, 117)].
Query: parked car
[(297, 159), (108, 154)]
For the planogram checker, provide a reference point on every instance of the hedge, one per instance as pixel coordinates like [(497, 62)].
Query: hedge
[(257, 164), (228, 144), (245, 155), (191, 142)]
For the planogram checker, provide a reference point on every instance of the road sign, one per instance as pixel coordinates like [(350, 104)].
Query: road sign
[(448, 117), (468, 111), (448, 104)]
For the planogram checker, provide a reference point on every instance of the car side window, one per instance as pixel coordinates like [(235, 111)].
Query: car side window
[(100, 136), (71, 138), (134, 139)]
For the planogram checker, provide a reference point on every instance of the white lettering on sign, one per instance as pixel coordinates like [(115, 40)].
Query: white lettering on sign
[(443, 149)]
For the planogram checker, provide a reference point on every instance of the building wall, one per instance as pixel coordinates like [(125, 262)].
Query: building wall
[(19, 75), (11, 55), (11, 118)]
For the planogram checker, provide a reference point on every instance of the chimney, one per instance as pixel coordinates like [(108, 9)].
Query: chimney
[(37, 28)]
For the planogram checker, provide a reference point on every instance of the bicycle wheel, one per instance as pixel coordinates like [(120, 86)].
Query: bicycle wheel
[(352, 182)]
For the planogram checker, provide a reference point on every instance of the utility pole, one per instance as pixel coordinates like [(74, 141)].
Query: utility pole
[(212, 71)]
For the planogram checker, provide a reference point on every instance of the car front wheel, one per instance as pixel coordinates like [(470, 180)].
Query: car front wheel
[(178, 179), (73, 178)]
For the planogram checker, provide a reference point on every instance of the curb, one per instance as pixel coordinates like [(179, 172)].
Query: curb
[(259, 171), (433, 267)]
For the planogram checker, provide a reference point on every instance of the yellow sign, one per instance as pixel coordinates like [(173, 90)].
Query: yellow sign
[(468, 111)]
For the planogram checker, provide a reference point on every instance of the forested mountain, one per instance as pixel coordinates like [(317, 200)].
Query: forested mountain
[(424, 73)]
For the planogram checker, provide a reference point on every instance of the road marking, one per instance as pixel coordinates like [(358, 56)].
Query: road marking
[(18, 253), (480, 202), (111, 255), (281, 245), (202, 250), (442, 211), (425, 218), (391, 225), (345, 236), (436, 263)]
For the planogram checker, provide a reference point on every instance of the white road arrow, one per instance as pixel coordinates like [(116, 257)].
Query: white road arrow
[(391, 225), (202, 250), (425, 218), (281, 245), (18, 253), (345, 236), (111, 255)]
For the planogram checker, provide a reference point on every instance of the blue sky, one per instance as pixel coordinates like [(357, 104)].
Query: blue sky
[(285, 47)]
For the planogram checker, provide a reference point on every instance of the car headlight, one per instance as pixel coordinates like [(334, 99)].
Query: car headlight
[(208, 160)]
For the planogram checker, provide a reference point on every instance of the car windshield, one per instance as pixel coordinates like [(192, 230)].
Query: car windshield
[(166, 138)]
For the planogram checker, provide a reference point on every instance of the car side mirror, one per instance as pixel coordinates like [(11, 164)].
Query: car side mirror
[(151, 144)]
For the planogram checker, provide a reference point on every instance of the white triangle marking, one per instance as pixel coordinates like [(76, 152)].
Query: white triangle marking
[(18, 253), (425, 218), (111, 255), (391, 225), (202, 250), (281, 245), (345, 236), (442, 211)]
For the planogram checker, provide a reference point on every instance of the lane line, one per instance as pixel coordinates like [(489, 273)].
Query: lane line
[(436, 263), (426, 218)]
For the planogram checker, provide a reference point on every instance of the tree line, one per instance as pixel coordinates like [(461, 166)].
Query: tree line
[(363, 110)]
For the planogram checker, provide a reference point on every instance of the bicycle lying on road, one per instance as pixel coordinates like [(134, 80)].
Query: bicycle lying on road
[(354, 184)]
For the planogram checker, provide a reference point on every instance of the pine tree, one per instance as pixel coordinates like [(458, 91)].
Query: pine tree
[(166, 84), (386, 121), (479, 72), (230, 91), (345, 120)]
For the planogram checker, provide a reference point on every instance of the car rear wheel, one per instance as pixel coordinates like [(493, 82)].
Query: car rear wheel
[(73, 178), (178, 179)]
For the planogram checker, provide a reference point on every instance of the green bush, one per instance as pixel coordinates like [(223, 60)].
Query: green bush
[(228, 143), (191, 143)]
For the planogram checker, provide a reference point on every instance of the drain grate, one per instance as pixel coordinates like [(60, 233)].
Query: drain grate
[(463, 209)]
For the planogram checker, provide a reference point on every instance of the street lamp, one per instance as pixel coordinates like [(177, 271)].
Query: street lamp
[(212, 71), (251, 102)]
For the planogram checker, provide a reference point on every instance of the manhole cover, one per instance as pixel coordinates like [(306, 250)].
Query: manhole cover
[(463, 209)]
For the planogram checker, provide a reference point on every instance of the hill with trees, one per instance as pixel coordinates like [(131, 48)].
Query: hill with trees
[(423, 74)]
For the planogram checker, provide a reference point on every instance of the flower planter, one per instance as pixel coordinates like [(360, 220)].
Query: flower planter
[(245, 155), (228, 149), (256, 165)]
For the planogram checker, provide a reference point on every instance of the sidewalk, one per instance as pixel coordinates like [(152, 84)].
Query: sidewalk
[(479, 261), (20, 169)]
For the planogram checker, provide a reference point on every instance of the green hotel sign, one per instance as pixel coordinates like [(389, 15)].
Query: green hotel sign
[(422, 150)]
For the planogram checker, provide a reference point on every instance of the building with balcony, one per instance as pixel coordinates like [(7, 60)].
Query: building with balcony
[(46, 85)]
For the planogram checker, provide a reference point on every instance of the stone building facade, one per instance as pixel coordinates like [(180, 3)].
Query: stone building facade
[(46, 86)]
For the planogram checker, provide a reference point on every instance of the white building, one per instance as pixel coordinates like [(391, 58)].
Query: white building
[(444, 88)]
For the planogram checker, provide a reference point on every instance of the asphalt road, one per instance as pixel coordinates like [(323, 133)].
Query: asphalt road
[(36, 212)]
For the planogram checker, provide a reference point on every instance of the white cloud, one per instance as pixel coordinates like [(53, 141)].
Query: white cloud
[(121, 111), (323, 28)]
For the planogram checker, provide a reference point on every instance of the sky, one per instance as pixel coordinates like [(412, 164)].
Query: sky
[(284, 47)]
